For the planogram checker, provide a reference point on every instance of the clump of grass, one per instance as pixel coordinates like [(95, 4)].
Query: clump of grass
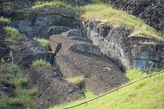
[(41, 63), (76, 80), (10, 74), (52, 4), (134, 74), (6, 20), (44, 43), (105, 13), (12, 32)]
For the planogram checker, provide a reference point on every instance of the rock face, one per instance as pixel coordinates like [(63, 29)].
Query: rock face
[(53, 89), (151, 11), (4, 49), (33, 21), (81, 58), (125, 51)]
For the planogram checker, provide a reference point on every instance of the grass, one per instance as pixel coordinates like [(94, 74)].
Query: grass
[(146, 94), (105, 13), (43, 42), (10, 74), (12, 32), (76, 80), (52, 4), (6, 20), (41, 63)]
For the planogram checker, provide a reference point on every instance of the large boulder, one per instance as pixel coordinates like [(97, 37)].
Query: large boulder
[(126, 51), (81, 58)]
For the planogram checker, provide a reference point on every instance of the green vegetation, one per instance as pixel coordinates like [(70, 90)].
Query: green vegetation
[(105, 13), (41, 63), (44, 43), (145, 94), (10, 75), (76, 80), (6, 20), (134, 74), (52, 4), (12, 32)]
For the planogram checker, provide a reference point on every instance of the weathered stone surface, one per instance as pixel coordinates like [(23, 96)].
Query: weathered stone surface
[(126, 51), (53, 89), (79, 58), (32, 21)]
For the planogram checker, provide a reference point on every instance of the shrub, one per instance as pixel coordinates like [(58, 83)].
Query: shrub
[(6, 20), (41, 63), (12, 32), (76, 80), (52, 4)]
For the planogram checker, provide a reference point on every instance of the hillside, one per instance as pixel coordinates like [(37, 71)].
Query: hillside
[(145, 94), (54, 51)]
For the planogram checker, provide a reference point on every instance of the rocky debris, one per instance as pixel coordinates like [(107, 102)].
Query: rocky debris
[(53, 89), (151, 11), (124, 50), (81, 58)]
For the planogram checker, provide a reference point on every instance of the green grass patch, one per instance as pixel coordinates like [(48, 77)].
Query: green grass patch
[(6, 20), (146, 94), (43, 42), (134, 74), (10, 74), (105, 13), (41, 63), (52, 4), (12, 32), (76, 80)]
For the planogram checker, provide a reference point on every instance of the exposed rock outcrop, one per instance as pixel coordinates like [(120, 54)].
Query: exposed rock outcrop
[(126, 51)]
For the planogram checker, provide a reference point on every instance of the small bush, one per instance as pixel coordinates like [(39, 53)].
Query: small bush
[(52, 4), (41, 63), (12, 32), (6, 20), (76, 80)]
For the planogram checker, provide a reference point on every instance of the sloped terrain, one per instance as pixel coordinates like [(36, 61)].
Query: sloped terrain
[(83, 42)]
